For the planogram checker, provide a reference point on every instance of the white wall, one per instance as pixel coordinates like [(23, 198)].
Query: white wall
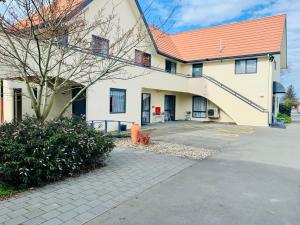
[(8, 101)]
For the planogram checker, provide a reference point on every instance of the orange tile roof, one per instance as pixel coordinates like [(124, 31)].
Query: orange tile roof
[(251, 37), (60, 7)]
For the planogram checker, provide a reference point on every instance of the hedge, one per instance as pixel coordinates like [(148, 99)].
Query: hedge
[(34, 153), (285, 109)]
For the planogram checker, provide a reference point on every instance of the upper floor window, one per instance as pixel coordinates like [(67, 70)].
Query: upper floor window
[(197, 69), (142, 58), (171, 66), (100, 45), (63, 39), (245, 66), (117, 100)]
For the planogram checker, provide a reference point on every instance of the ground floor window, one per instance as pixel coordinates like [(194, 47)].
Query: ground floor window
[(199, 107), (117, 100)]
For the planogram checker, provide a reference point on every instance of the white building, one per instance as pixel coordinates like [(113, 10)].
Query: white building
[(228, 73)]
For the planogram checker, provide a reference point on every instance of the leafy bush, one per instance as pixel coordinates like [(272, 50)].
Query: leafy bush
[(33, 154), (6, 192), (287, 119), (285, 109)]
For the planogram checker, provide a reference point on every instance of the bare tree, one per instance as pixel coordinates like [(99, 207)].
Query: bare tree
[(47, 45)]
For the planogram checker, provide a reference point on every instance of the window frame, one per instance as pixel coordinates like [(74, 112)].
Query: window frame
[(143, 54), (63, 40), (246, 67), (171, 63), (193, 105), (99, 51), (110, 103), (193, 73)]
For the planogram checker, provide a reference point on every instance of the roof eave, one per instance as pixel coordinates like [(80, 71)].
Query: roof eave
[(219, 58)]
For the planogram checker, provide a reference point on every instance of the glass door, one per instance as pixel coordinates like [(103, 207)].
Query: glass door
[(17, 104), (170, 105), (146, 108)]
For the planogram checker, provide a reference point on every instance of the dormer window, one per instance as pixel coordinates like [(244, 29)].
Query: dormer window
[(100, 45), (142, 58), (197, 70), (171, 66)]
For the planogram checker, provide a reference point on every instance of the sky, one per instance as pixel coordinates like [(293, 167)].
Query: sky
[(185, 15)]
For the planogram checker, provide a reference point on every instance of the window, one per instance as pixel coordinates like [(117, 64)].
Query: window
[(117, 100), (63, 40), (142, 58), (199, 107), (35, 93), (197, 70), (246, 66), (170, 66), (100, 45)]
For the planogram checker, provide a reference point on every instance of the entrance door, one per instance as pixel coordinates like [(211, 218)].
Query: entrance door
[(79, 105), (170, 105), (17, 104), (146, 108)]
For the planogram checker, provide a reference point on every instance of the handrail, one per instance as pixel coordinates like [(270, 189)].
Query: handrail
[(94, 122), (236, 94)]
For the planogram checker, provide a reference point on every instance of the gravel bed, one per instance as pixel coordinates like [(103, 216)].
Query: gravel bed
[(167, 148)]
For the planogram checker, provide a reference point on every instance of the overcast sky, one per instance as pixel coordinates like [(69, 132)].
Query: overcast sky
[(195, 14)]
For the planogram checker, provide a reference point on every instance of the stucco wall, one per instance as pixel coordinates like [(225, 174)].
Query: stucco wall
[(8, 101), (256, 87)]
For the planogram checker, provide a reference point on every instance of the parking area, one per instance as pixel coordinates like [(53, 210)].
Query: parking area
[(254, 179), (197, 134)]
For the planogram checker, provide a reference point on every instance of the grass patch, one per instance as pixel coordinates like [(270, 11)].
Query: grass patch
[(6, 192)]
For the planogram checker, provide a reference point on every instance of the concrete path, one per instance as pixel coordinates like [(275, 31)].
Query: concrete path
[(78, 200), (255, 180)]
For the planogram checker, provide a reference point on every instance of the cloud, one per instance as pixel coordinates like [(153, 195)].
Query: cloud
[(205, 13)]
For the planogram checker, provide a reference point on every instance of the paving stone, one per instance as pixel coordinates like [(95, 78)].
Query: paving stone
[(66, 208), (34, 213), (73, 222), (3, 219), (85, 217), (67, 216), (34, 221), (82, 209), (16, 220), (54, 221), (51, 214)]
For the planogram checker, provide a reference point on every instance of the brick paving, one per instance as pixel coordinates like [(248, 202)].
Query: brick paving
[(78, 200)]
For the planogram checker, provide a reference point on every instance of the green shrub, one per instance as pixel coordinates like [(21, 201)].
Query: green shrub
[(6, 192), (287, 119), (33, 154), (285, 109)]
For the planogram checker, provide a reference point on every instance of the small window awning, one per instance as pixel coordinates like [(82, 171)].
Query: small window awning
[(278, 88)]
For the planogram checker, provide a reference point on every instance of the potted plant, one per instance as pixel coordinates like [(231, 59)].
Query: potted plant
[(144, 139)]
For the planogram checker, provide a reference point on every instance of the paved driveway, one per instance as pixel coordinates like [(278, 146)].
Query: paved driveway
[(78, 200), (254, 180)]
